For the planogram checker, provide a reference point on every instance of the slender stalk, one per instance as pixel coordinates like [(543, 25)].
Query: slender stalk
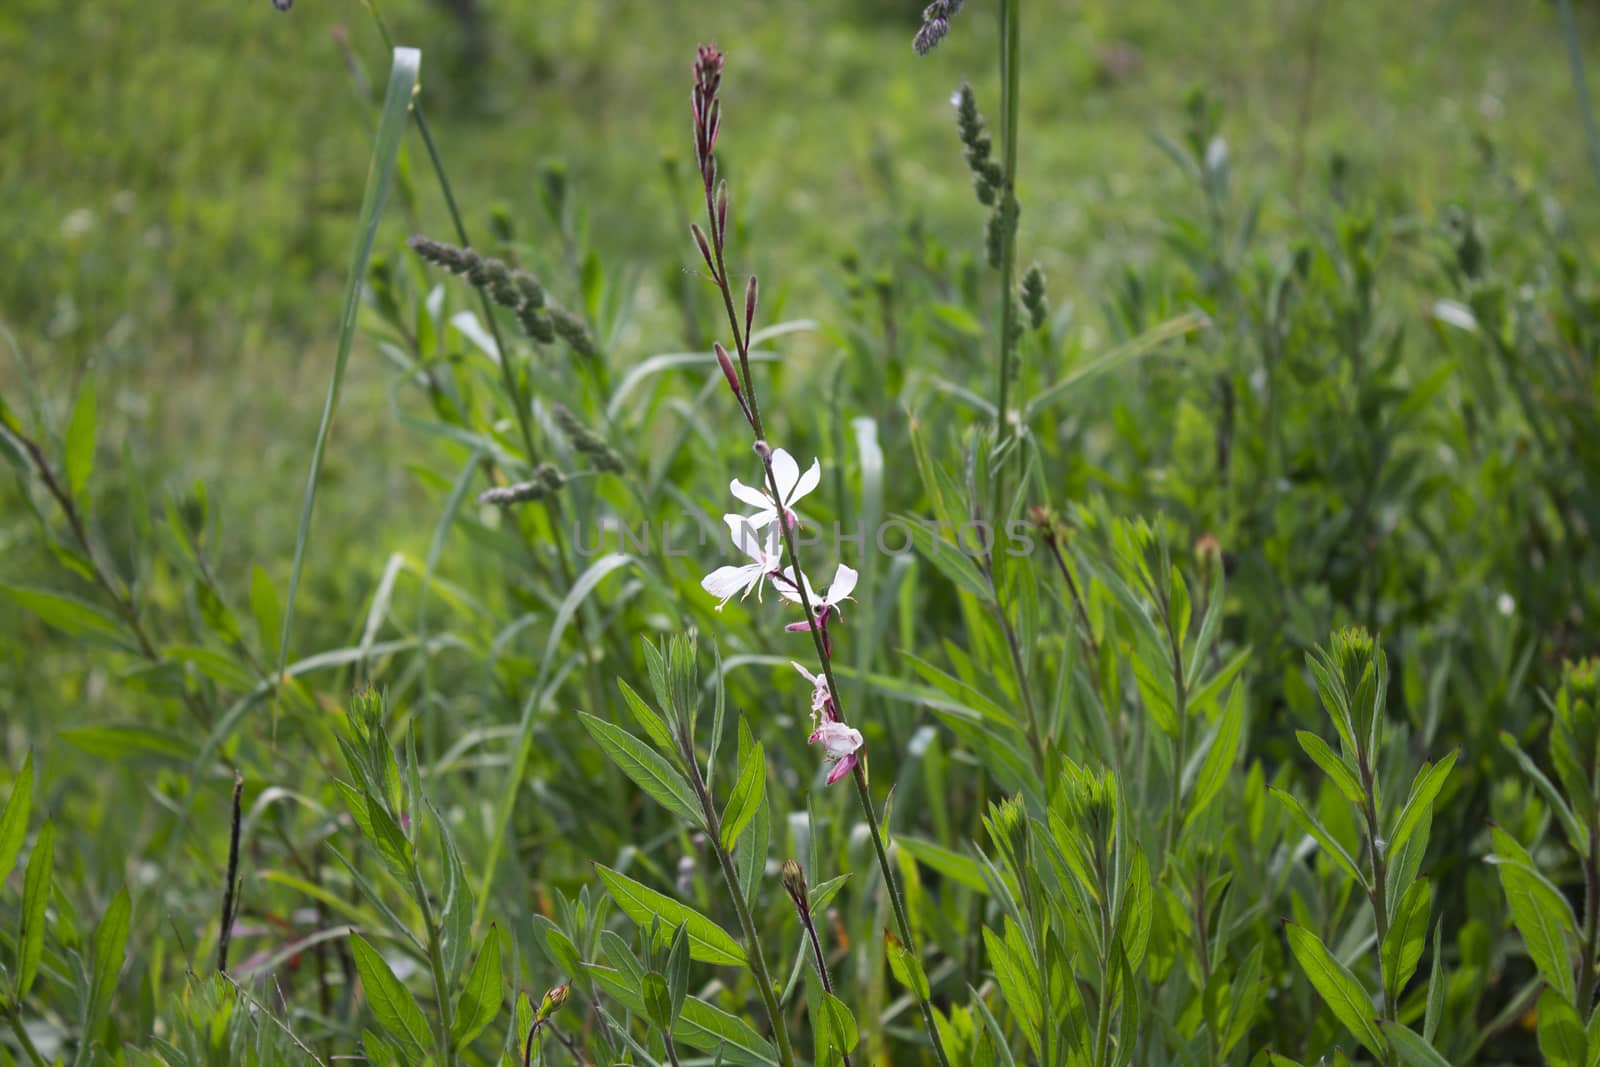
[(1378, 895), (1180, 752), (225, 934), (672, 1050), (747, 924), (1591, 922), (1010, 88), (441, 981), (707, 122), (1020, 669), (21, 1032), (1580, 86)]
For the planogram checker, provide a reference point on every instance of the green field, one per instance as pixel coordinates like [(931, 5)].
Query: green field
[(1317, 350)]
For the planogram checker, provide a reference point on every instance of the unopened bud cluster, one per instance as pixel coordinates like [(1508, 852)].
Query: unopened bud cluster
[(587, 441), (987, 177), (545, 481), (1033, 298), (935, 25), (794, 883), (513, 288)]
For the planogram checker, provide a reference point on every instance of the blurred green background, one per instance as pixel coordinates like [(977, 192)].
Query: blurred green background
[(180, 183)]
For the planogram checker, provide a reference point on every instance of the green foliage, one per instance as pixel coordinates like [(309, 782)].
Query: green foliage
[(1122, 798)]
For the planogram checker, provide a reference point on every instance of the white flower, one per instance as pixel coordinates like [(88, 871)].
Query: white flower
[(844, 583), (792, 485), (841, 746), (724, 582), (820, 694)]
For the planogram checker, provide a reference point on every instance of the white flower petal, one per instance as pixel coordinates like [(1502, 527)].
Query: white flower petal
[(756, 498), (844, 583), (806, 482), (807, 675), (786, 472), (742, 531), (787, 589), (724, 582)]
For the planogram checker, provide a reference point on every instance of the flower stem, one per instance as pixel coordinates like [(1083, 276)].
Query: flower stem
[(716, 261), (752, 936), (441, 981), (1010, 80)]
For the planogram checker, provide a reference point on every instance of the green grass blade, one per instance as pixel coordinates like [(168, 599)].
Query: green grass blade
[(403, 74)]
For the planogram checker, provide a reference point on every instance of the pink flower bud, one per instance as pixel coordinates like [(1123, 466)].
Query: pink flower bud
[(705, 246), (749, 304)]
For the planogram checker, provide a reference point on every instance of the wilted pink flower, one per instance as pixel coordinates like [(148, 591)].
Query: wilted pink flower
[(841, 746)]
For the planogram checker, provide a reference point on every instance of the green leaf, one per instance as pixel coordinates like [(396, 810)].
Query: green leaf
[(1561, 1035), (947, 862), (1542, 916), (701, 1025), (479, 1002), (35, 899), (1413, 1048), (1436, 986), (678, 971), (839, 1025), (403, 72), (749, 792), (1219, 757), (82, 429), (1424, 789), (1146, 343), (264, 607), (947, 557), (1552, 796), (1340, 989), (647, 718), (708, 942), (1310, 825), (109, 946), (393, 1005), (649, 770), (905, 965), (68, 614), (14, 819), (1402, 945), (657, 1000), (1338, 772)]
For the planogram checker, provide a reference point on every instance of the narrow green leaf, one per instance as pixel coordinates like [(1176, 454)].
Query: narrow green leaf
[(35, 899), (14, 819), (1544, 919), (1402, 945), (839, 1024), (1340, 989), (1146, 343), (1338, 772), (1561, 1035), (68, 614), (947, 862), (657, 1000), (905, 965), (708, 942), (648, 770), (1576, 835), (1424, 789), (396, 1010), (749, 792), (647, 718), (1219, 757), (108, 947), (678, 971), (403, 71), (82, 430), (1310, 825), (948, 558), (479, 1002), (1436, 986), (701, 1025), (1412, 1047)]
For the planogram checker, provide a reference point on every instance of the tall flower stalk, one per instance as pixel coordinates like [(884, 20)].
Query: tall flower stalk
[(842, 744)]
